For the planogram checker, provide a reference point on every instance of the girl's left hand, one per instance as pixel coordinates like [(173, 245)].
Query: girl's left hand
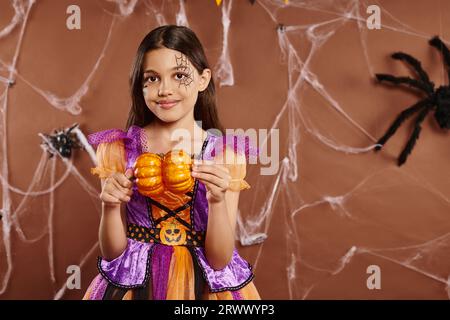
[(215, 177)]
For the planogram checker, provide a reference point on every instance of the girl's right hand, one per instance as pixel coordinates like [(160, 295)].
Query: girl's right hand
[(117, 188)]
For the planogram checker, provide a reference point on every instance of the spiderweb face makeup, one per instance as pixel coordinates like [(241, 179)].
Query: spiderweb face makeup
[(184, 67)]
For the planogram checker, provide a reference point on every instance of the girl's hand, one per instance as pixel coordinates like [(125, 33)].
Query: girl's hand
[(117, 188), (214, 176)]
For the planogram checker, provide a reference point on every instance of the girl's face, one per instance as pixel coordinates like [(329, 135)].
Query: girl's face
[(171, 84)]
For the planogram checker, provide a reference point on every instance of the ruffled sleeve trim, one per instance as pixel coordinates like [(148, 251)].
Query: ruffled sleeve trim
[(112, 146), (241, 150), (111, 158), (238, 185)]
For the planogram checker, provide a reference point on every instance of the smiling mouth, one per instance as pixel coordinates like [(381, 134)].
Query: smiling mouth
[(167, 105), (173, 240)]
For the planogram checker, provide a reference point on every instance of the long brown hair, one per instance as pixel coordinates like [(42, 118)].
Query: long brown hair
[(185, 41)]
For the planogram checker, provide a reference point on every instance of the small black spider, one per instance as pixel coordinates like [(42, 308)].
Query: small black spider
[(281, 27), (62, 141), (437, 100)]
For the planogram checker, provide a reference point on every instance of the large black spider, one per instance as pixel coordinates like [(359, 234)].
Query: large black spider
[(62, 141), (437, 100)]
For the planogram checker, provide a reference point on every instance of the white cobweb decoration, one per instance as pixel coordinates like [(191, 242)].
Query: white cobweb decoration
[(304, 269), (44, 182), (306, 265)]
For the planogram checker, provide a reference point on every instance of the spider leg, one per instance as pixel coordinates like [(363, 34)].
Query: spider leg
[(417, 66), (405, 114), (415, 135), (72, 127), (413, 83), (438, 44)]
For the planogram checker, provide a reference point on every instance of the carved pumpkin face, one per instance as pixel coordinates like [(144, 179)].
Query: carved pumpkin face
[(156, 174), (172, 234)]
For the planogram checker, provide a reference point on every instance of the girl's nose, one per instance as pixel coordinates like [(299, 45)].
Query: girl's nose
[(164, 88)]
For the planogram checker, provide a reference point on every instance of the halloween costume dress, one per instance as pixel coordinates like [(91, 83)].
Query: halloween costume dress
[(165, 256)]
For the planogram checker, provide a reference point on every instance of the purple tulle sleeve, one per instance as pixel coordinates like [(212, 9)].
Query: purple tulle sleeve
[(115, 146), (106, 136), (241, 144)]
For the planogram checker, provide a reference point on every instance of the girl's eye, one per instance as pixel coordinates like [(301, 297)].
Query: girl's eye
[(150, 79), (181, 76)]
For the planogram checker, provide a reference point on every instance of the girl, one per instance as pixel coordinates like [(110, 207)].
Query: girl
[(167, 244)]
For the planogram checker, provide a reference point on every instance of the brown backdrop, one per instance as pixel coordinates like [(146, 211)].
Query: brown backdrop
[(333, 209)]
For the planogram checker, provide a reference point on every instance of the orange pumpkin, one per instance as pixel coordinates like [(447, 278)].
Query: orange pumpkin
[(155, 174), (177, 171), (147, 170)]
